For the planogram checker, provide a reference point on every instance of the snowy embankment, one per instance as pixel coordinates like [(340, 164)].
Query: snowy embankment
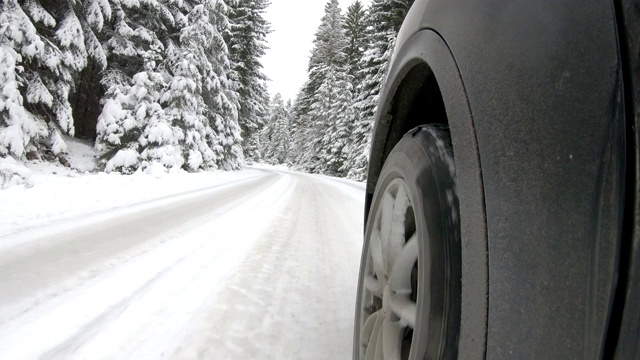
[(54, 198), (256, 264), (54, 193)]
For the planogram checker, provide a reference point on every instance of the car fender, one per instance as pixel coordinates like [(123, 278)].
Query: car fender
[(534, 99), (427, 47)]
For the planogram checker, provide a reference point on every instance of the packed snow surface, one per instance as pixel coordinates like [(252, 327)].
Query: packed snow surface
[(256, 264)]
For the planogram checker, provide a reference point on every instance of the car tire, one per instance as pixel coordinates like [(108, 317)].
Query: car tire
[(409, 289)]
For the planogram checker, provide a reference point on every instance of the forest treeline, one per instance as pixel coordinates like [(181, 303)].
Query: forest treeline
[(327, 128), (178, 84)]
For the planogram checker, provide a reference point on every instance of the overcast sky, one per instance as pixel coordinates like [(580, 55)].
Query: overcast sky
[(294, 23)]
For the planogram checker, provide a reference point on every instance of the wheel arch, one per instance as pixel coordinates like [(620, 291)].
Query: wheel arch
[(424, 86)]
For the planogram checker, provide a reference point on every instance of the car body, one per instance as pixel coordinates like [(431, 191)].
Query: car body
[(541, 100)]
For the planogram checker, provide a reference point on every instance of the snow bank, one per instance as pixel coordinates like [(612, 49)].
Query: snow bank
[(13, 173), (56, 197), (82, 155), (122, 161)]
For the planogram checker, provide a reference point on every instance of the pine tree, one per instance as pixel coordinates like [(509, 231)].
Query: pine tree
[(94, 16), (18, 127), (158, 141), (355, 28), (358, 161), (220, 92), (301, 132), (169, 93), (190, 66), (48, 52), (381, 33), (276, 136), (20, 130), (169, 100), (384, 18), (356, 33), (133, 128), (328, 51), (247, 44), (154, 141), (321, 97), (335, 112)]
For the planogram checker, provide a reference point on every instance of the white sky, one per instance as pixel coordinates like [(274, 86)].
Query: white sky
[(294, 23)]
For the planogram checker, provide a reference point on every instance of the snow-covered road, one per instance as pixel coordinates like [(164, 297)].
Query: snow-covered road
[(262, 265)]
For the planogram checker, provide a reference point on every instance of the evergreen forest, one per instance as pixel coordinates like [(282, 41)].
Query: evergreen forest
[(178, 85)]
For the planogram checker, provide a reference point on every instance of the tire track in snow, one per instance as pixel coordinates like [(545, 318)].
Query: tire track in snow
[(270, 277), (39, 263), (293, 297), (88, 315)]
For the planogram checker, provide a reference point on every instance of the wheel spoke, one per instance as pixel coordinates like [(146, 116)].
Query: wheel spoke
[(400, 203), (374, 340), (375, 247), (367, 328), (392, 333), (400, 278), (379, 355), (386, 224), (404, 308), (397, 227)]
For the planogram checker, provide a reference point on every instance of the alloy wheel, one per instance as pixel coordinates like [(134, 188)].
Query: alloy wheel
[(389, 294)]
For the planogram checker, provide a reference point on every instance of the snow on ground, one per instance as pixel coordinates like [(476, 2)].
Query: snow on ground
[(55, 197), (256, 264), (82, 156)]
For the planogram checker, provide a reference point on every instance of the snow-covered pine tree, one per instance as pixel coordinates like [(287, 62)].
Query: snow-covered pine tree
[(156, 143), (70, 40), (276, 138), (247, 44), (358, 160), (20, 130), (383, 19), (328, 50), (355, 27), (300, 129), (220, 91), (159, 142), (86, 98), (334, 110), (52, 42), (183, 98), (133, 130), (169, 100), (356, 33), (321, 96)]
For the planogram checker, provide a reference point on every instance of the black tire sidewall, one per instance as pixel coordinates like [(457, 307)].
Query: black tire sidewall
[(422, 162)]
